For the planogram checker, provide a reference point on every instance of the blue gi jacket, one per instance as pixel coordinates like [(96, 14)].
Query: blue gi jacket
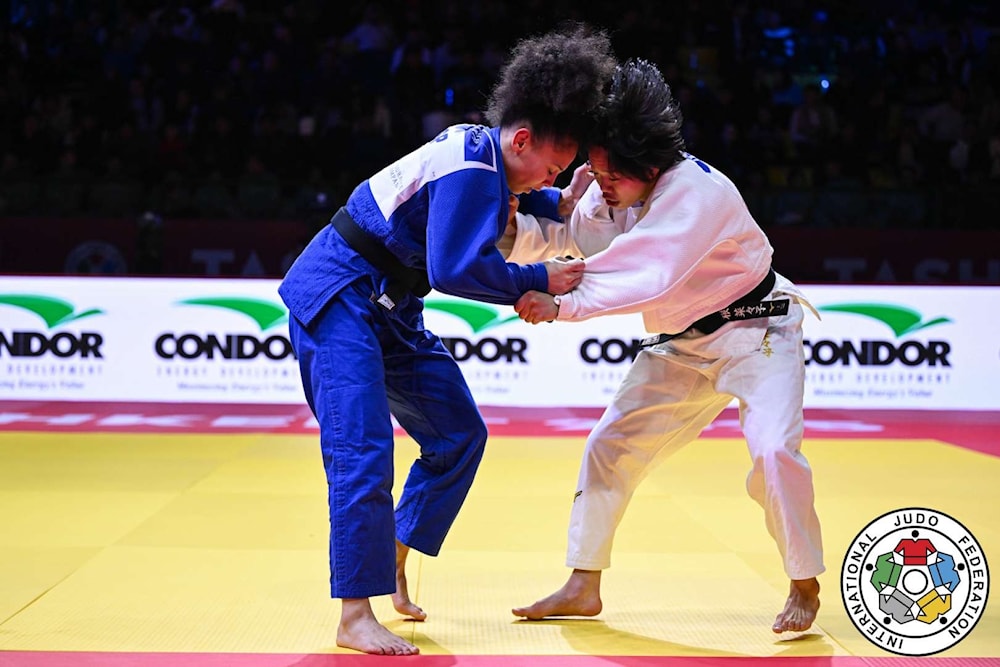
[(441, 208)]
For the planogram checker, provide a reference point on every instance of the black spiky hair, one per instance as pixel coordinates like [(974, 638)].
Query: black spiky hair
[(639, 123)]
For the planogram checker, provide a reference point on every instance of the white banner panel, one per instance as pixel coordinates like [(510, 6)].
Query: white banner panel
[(226, 340), (923, 347), (145, 339)]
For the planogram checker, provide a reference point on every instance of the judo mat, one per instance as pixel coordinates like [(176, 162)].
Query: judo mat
[(172, 535)]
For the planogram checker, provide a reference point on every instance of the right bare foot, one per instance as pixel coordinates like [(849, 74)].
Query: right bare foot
[(401, 598), (579, 596), (360, 631)]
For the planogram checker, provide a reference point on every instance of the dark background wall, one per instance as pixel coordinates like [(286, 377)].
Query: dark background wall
[(152, 127)]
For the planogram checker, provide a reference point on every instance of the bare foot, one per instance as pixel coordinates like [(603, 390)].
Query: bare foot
[(401, 598), (800, 607), (579, 596), (360, 631)]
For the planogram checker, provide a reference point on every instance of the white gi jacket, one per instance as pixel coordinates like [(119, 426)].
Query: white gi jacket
[(691, 249)]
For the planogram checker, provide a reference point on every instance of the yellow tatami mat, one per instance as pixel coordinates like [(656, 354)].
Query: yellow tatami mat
[(218, 543)]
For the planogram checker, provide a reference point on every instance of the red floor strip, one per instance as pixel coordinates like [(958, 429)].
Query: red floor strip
[(976, 430), (93, 659)]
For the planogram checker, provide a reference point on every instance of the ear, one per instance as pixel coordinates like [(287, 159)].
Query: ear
[(521, 138)]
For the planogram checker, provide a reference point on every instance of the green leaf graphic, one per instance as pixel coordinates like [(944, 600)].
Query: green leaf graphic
[(265, 313), (901, 320), (53, 311), (479, 317)]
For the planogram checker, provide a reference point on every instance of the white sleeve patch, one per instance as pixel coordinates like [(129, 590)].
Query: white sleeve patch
[(401, 180)]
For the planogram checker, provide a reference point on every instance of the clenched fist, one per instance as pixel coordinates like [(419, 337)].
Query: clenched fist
[(564, 274), (534, 307)]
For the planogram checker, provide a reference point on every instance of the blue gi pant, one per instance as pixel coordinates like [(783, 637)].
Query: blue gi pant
[(359, 363)]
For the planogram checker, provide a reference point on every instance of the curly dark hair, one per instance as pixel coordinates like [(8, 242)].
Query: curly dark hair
[(639, 124), (554, 82)]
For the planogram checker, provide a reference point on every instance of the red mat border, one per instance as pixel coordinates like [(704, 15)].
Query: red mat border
[(131, 659), (972, 429)]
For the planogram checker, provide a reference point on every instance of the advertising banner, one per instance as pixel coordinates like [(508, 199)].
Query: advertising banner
[(226, 341), (901, 347), (145, 339)]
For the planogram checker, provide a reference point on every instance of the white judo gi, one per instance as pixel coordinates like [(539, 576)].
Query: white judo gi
[(691, 249)]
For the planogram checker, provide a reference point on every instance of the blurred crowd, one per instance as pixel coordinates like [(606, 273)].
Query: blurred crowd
[(882, 113)]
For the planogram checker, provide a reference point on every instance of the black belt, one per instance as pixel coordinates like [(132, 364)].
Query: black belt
[(748, 307), (403, 279)]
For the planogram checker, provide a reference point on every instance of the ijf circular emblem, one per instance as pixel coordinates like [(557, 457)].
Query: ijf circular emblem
[(915, 581)]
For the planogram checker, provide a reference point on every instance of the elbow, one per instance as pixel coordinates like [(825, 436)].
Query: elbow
[(444, 280)]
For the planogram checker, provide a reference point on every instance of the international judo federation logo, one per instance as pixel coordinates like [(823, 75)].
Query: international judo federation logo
[(915, 582)]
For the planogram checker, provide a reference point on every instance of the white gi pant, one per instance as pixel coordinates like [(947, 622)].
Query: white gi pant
[(671, 393)]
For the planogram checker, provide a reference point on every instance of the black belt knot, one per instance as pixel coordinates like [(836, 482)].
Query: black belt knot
[(403, 279)]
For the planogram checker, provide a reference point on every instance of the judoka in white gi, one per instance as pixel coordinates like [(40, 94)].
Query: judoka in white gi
[(669, 236)]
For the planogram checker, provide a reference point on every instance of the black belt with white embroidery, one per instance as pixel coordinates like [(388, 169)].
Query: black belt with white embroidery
[(749, 307)]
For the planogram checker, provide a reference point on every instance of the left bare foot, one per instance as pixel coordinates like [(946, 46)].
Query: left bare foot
[(800, 607), (579, 596), (401, 598)]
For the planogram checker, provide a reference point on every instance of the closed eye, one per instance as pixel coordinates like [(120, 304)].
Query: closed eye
[(607, 177)]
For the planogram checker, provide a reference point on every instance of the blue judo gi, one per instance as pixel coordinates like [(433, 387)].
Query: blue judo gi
[(440, 209)]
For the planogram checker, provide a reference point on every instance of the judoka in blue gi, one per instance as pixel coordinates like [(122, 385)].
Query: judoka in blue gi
[(431, 219)]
